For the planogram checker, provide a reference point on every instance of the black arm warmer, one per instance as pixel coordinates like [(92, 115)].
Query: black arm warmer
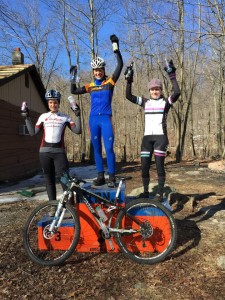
[(119, 67), (77, 128), (77, 91), (176, 90), (129, 95)]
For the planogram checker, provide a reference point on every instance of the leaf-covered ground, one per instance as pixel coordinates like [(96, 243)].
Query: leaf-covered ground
[(191, 272)]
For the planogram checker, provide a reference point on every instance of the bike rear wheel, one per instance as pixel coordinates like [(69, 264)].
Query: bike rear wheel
[(154, 231), (47, 247)]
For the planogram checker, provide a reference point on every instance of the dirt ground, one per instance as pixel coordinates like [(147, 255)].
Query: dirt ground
[(192, 271)]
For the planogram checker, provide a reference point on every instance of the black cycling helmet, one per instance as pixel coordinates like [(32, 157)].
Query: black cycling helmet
[(52, 94)]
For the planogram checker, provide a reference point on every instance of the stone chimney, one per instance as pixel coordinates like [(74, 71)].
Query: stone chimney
[(17, 57)]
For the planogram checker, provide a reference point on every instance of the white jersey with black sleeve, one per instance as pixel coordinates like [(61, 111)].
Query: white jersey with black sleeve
[(54, 125), (156, 112)]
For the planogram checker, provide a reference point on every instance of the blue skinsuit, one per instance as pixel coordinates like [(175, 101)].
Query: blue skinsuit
[(100, 121)]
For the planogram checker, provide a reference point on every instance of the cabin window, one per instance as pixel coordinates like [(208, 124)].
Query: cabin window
[(23, 130)]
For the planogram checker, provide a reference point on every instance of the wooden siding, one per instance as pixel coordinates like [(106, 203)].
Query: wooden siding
[(18, 153), (15, 92)]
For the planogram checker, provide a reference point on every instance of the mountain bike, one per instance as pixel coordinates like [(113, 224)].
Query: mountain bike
[(144, 229)]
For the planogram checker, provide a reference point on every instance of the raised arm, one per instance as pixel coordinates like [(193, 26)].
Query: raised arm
[(129, 95), (30, 127), (115, 44), (129, 74), (171, 71), (73, 88), (76, 127), (77, 91)]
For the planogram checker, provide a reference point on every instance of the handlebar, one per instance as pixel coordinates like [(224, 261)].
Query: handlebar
[(77, 180), (123, 178)]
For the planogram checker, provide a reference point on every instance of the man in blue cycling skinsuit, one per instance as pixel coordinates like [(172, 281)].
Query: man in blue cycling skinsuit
[(100, 121)]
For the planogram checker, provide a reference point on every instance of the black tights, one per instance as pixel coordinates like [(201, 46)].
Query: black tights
[(145, 164), (156, 144), (54, 165)]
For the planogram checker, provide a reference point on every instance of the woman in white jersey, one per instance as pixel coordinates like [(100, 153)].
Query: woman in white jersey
[(155, 138), (52, 154)]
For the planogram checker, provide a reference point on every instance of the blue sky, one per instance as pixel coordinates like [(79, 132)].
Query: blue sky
[(115, 24), (109, 28)]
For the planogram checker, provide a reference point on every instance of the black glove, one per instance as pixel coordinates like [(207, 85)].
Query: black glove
[(73, 74), (24, 110), (73, 69), (115, 42), (129, 73), (170, 68), (114, 39), (76, 110), (25, 114)]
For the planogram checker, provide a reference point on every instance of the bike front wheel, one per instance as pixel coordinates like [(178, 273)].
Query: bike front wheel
[(50, 245), (147, 231)]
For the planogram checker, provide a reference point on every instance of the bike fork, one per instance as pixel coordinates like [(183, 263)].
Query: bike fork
[(57, 220)]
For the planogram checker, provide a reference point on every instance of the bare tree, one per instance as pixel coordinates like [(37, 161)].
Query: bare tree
[(217, 25), (24, 28), (191, 33)]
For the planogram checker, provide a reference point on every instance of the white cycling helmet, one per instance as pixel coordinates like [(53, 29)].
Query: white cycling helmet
[(52, 94), (97, 63)]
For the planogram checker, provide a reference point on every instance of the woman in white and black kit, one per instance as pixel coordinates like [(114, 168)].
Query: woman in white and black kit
[(155, 138), (52, 154)]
